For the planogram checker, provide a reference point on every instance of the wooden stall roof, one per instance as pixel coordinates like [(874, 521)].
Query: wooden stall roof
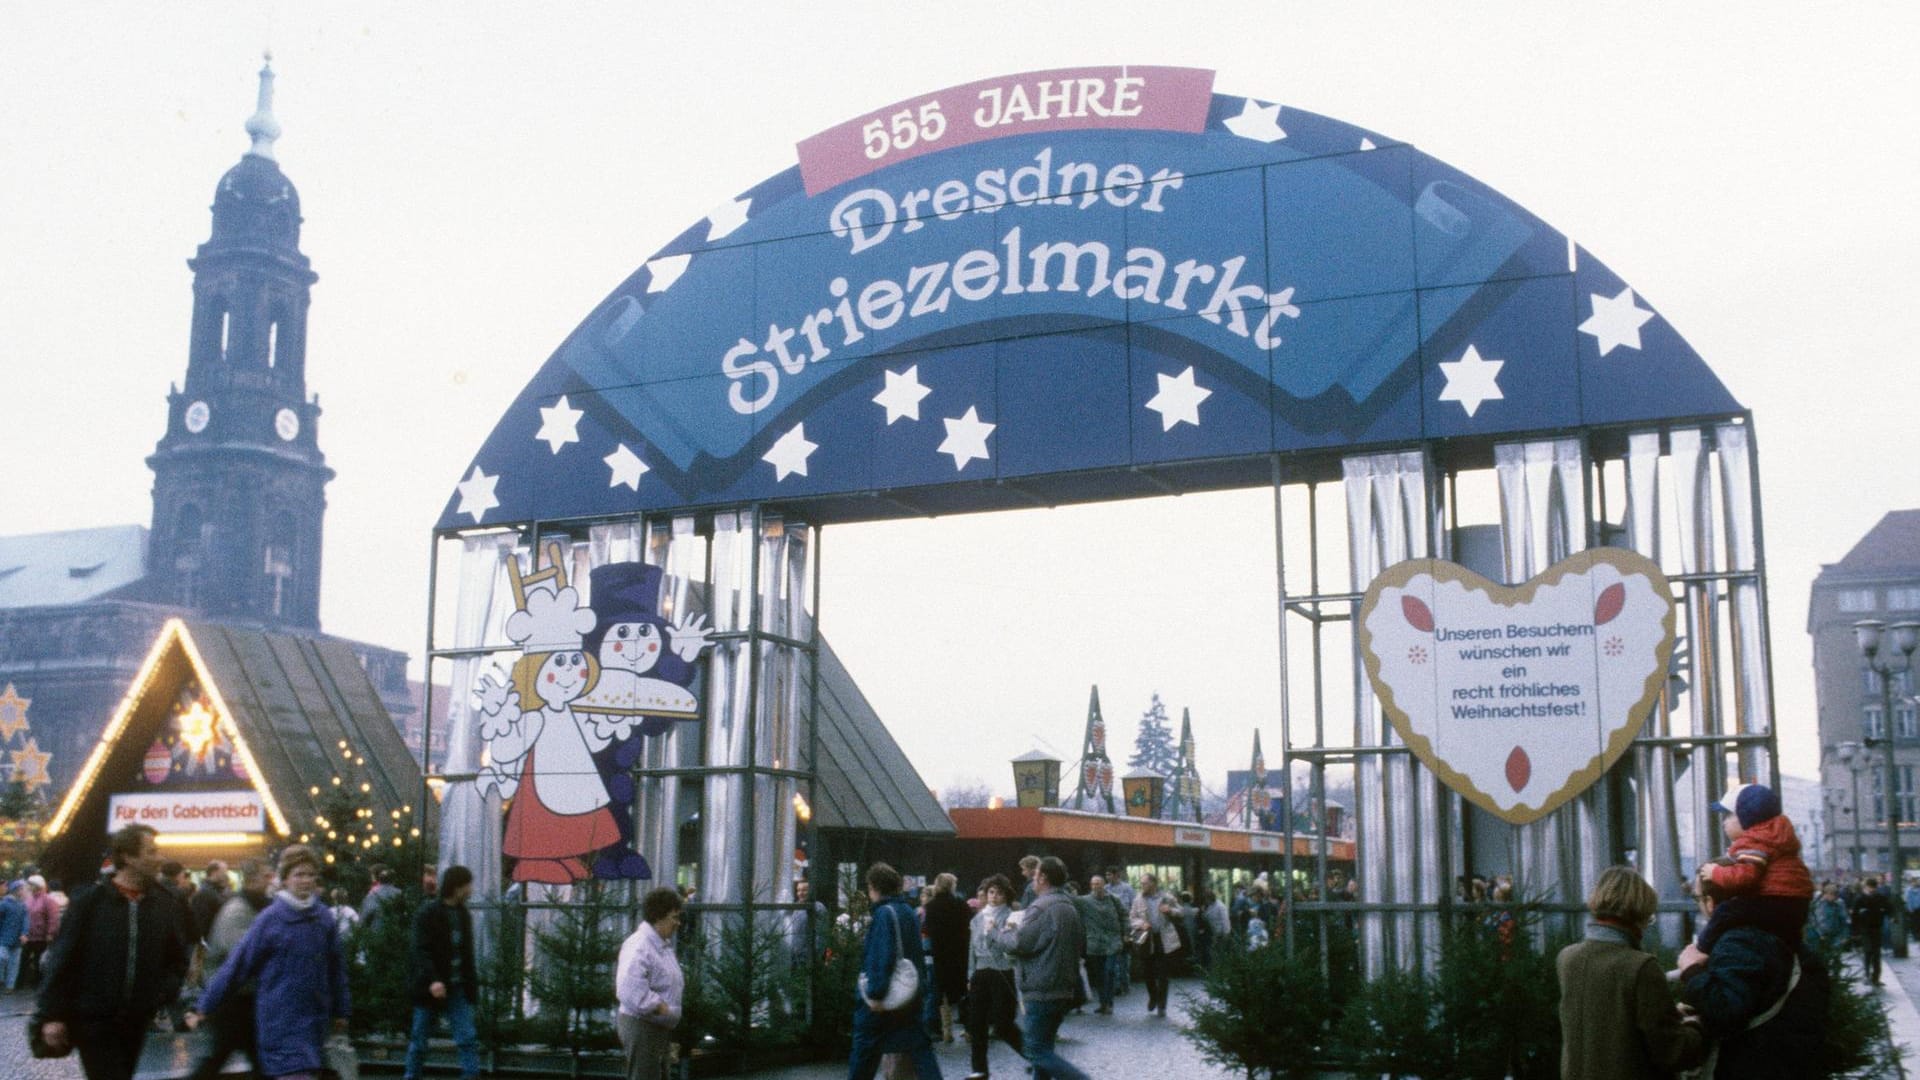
[(865, 781), (1049, 823), (292, 700)]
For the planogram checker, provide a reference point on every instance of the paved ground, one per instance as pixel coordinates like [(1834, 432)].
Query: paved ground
[(1128, 1043)]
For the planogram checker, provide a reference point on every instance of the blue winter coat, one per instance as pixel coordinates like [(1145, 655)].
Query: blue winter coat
[(296, 957), (13, 921), (893, 928)]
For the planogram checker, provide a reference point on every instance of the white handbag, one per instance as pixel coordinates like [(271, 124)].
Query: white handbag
[(904, 984)]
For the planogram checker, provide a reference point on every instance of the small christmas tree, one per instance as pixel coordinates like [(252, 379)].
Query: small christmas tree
[(573, 977), (353, 835), (1153, 747)]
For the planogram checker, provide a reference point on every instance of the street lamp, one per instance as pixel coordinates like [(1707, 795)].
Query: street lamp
[(1853, 757), (1889, 653)]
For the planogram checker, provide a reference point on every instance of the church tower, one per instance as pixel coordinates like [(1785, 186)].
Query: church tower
[(239, 479)]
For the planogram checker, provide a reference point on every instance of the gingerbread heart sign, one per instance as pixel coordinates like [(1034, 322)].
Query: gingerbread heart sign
[(1519, 698)]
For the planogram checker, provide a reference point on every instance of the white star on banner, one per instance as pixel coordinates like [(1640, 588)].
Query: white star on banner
[(626, 466), (1261, 123), (476, 494), (667, 270), (1178, 400), (966, 438), (726, 218), (902, 394), (559, 424), (1471, 380), (1367, 144), (789, 454), (1616, 321)]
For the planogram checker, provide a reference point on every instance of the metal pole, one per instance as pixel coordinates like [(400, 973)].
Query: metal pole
[(1891, 803), (1854, 768)]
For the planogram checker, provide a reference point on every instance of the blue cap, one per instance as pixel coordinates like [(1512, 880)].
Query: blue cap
[(1750, 803), (16, 884)]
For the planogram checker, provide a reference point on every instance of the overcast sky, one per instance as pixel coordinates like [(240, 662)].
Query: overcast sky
[(476, 177)]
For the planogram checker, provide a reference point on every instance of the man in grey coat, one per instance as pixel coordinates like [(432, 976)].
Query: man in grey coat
[(1047, 946)]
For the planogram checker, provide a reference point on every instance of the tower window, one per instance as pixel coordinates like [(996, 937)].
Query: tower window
[(226, 332), (273, 343), (188, 542), (278, 567)]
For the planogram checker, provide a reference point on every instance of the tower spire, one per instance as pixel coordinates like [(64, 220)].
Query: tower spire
[(262, 125), (1096, 770)]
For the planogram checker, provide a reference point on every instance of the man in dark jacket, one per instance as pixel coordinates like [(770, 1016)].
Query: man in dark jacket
[(1870, 914), (118, 959), (208, 899), (1047, 946), (443, 973), (1763, 999)]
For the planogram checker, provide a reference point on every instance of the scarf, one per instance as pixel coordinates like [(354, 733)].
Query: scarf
[(1603, 929), (295, 902)]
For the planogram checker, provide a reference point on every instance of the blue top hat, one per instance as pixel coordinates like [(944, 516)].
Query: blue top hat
[(627, 592)]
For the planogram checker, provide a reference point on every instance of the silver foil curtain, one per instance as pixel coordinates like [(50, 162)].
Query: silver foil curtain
[(470, 817), (1657, 838), (1543, 519), (723, 873), (1684, 497), (1399, 807)]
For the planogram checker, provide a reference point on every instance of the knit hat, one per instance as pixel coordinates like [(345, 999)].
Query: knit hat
[(1750, 803), (37, 881)]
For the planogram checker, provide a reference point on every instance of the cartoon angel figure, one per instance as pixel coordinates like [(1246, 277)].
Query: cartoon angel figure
[(560, 810)]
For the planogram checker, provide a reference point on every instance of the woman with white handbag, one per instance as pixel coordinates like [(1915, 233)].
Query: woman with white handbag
[(892, 978)]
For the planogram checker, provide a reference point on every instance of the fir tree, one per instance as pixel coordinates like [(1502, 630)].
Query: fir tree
[(1153, 747)]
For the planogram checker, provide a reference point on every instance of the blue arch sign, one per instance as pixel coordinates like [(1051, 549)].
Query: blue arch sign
[(1071, 285)]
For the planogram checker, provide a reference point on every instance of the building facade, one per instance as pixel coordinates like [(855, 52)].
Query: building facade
[(239, 493), (1878, 579)]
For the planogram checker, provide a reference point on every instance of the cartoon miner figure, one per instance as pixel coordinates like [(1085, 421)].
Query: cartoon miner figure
[(646, 669), (560, 806)]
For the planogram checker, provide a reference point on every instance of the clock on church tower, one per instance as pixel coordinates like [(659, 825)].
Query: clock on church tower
[(239, 479)]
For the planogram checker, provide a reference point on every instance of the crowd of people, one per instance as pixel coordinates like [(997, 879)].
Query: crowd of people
[(1013, 962), (257, 955), (1754, 981)]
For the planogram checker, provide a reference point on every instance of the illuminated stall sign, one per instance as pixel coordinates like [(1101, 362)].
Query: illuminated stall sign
[(190, 812), (1519, 698), (1052, 285)]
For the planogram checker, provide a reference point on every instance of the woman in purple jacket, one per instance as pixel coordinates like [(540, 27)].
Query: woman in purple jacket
[(293, 951)]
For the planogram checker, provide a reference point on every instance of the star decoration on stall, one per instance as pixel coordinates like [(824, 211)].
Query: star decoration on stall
[(476, 494), (902, 394), (559, 424), (727, 217), (13, 713), (626, 467), (1178, 401), (666, 270), (30, 765), (1616, 321), (788, 456), (1261, 123), (1472, 381), (966, 438)]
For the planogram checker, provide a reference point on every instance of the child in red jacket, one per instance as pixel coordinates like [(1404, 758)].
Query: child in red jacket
[(1770, 885)]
